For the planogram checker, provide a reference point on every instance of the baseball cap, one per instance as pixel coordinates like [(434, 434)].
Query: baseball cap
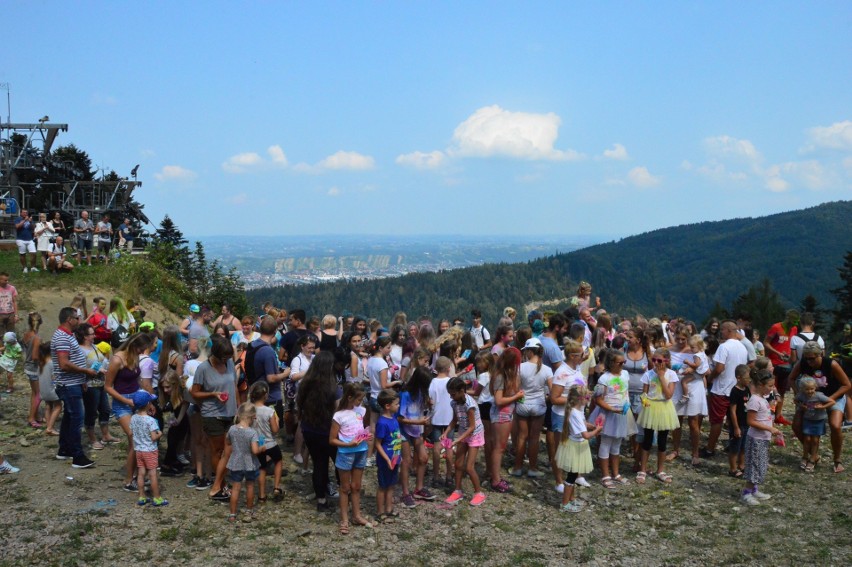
[(10, 337), (142, 398), (194, 308), (104, 347), (532, 343), (146, 326)]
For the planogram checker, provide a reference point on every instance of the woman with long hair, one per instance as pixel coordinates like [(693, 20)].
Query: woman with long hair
[(505, 386), (530, 410), (95, 399), (316, 402)]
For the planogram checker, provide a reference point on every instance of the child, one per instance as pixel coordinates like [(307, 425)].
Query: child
[(760, 432), (484, 364), (241, 451), (574, 455), (737, 423), (146, 432), (413, 416), (31, 342), (470, 438), (613, 403), (266, 426), (172, 388), (349, 436), (9, 360), (442, 415), (658, 412), (47, 390), (388, 445), (815, 415)]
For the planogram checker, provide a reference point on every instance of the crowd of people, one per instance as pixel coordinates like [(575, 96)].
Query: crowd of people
[(447, 403), (48, 245)]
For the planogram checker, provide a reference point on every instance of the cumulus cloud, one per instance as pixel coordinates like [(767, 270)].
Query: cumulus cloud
[(618, 152), (276, 154), (641, 177), (240, 163), (838, 136), (495, 131), (728, 146), (175, 173), (347, 160), (423, 160)]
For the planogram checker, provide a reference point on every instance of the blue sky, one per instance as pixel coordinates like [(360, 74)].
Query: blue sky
[(446, 117)]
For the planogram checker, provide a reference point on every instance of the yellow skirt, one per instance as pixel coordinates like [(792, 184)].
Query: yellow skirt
[(574, 456), (659, 416)]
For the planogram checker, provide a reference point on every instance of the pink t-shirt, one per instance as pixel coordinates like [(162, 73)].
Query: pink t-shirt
[(759, 405), (7, 294)]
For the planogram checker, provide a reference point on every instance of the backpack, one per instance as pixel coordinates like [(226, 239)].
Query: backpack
[(248, 362), (119, 335)]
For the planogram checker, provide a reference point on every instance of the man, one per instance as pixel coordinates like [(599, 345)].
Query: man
[(551, 339), (806, 333), (266, 365), (777, 346), (8, 304), (589, 323), (24, 232), (297, 330), (731, 353), (745, 332), (104, 232), (70, 375), (84, 229), (194, 328), (125, 235), (480, 335), (57, 258)]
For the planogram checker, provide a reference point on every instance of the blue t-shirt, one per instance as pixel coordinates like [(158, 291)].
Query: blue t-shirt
[(265, 364), (410, 408), (388, 434), (26, 230)]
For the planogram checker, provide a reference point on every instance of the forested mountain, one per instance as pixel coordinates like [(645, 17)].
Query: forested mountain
[(683, 270)]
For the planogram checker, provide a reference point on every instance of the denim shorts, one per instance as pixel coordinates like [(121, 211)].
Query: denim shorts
[(374, 405), (814, 428), (349, 461), (239, 476), (435, 435), (556, 422), (635, 402), (120, 409), (839, 405)]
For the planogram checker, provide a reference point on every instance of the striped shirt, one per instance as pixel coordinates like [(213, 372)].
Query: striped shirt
[(64, 341)]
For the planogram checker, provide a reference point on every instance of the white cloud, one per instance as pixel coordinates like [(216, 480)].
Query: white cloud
[(847, 163), (423, 160), (728, 146), (493, 131), (810, 174), (240, 163), (334, 192), (347, 160), (175, 173), (277, 155), (641, 177), (776, 184), (617, 152), (838, 136)]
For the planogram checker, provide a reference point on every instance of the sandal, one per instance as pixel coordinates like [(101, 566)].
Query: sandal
[(261, 499), (838, 467), (621, 479), (277, 494), (344, 528), (359, 521), (97, 446), (672, 456), (696, 461), (393, 514), (736, 473), (607, 482), (501, 487), (51, 432), (640, 477), (804, 464), (663, 477), (35, 425), (232, 518), (809, 467)]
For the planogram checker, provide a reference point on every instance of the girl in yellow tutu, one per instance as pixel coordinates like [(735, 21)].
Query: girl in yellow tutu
[(658, 412), (574, 455)]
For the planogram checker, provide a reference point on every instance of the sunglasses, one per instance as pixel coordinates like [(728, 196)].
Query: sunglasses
[(658, 360)]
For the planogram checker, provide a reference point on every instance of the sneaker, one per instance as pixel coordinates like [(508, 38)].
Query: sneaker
[(297, 457), (560, 488), (203, 484), (26, 270), (170, 472), (501, 487), (749, 499), (454, 498), (581, 481), (82, 462), (221, 496), (160, 502), (478, 499), (7, 468), (62, 457), (761, 495), (408, 501), (131, 486), (437, 482), (332, 490), (143, 501), (183, 460), (33, 269), (535, 474), (423, 494), (517, 472), (847, 425), (193, 482)]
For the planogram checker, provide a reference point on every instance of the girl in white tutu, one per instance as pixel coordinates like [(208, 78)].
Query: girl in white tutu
[(574, 455), (613, 403), (658, 412)]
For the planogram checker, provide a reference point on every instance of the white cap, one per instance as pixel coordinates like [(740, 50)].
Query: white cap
[(532, 343)]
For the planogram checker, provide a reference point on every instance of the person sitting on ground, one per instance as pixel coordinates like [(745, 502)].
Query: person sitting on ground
[(57, 257)]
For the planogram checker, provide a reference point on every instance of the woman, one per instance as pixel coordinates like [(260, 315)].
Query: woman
[(171, 363), (298, 370), (354, 371), (505, 386), (214, 390), (46, 235), (121, 381), (503, 337), (316, 403), (680, 354), (711, 329), (59, 226), (246, 334), (637, 360), (119, 321), (833, 382), (228, 319), (95, 399), (398, 339), (328, 336), (529, 411)]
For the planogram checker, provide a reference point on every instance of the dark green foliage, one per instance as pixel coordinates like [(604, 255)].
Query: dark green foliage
[(78, 157), (683, 271), (843, 311), (761, 302), (811, 304)]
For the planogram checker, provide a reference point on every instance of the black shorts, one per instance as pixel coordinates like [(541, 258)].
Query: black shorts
[(270, 457), (105, 246), (485, 411), (782, 379), (548, 417)]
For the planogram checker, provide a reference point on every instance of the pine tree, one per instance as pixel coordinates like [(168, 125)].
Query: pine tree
[(843, 310), (811, 304)]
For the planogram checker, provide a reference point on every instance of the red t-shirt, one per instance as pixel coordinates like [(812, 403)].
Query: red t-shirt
[(102, 333), (780, 341)]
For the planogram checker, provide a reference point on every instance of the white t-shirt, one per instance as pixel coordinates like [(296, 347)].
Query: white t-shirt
[(480, 335), (616, 388), (485, 396), (576, 425), (534, 384), (375, 365), (113, 322), (731, 353), (653, 381), (442, 409), (799, 344)]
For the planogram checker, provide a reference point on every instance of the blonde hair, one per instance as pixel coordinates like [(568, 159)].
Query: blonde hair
[(329, 322), (696, 343), (246, 412)]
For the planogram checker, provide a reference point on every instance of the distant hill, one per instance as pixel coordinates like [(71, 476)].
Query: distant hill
[(683, 270)]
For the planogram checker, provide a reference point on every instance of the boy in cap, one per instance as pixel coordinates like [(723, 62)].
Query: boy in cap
[(146, 432)]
